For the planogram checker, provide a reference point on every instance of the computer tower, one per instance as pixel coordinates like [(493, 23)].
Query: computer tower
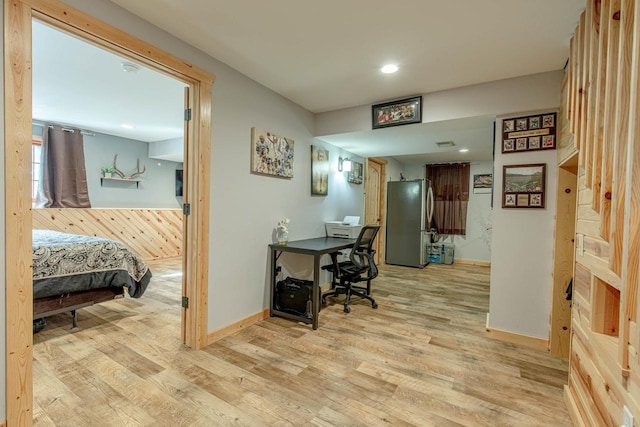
[(294, 296)]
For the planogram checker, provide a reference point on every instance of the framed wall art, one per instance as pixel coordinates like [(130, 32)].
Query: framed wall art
[(523, 186), (356, 174), (482, 183), (394, 113), (319, 171), (271, 154), (529, 133)]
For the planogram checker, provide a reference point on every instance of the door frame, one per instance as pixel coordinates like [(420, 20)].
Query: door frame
[(382, 204), (564, 255), (18, 16)]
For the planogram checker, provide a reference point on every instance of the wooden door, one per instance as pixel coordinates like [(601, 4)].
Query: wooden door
[(374, 189)]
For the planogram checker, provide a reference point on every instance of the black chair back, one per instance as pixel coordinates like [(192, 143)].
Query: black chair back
[(362, 253)]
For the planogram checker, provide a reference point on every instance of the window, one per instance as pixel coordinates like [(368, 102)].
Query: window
[(36, 149)]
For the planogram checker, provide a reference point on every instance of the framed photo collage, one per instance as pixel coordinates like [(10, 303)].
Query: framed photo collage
[(529, 133)]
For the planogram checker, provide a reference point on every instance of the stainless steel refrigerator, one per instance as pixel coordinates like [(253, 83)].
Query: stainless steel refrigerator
[(409, 205)]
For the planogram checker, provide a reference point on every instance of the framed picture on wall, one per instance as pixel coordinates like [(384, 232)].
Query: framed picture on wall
[(482, 183), (356, 174), (394, 113), (529, 133), (271, 154), (319, 171), (523, 186)]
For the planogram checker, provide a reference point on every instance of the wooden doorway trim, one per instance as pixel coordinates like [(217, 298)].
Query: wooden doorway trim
[(18, 16), (564, 257), (382, 204)]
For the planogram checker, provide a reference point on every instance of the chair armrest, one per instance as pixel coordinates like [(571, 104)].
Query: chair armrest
[(334, 267)]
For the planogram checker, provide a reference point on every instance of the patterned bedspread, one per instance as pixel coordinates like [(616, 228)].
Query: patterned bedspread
[(62, 255)]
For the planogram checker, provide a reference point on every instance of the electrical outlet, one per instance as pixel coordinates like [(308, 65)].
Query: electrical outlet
[(580, 244), (627, 417)]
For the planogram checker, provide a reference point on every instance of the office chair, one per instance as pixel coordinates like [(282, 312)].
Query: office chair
[(359, 268)]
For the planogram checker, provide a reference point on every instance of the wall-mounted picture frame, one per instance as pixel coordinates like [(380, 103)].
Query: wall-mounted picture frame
[(523, 186), (319, 171), (271, 154), (529, 133), (482, 183), (394, 113), (356, 174)]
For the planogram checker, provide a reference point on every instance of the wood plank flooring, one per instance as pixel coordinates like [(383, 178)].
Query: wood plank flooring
[(420, 359)]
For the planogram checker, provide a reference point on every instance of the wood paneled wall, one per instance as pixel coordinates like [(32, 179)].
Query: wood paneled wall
[(601, 104), (151, 233)]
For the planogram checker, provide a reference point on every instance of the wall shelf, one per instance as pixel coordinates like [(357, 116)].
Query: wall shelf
[(136, 181)]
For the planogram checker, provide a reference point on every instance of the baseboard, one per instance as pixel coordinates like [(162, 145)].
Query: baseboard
[(236, 326), (3, 423), (572, 408), (523, 340), (243, 323), (472, 262)]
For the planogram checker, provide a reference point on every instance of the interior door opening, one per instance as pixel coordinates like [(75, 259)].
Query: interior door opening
[(117, 100)]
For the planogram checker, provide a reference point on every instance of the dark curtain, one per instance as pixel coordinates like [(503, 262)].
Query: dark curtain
[(63, 175), (450, 184)]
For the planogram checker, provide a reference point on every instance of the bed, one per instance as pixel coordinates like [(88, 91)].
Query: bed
[(72, 271)]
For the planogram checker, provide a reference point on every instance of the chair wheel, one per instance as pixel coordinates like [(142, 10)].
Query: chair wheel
[(347, 309), (374, 305)]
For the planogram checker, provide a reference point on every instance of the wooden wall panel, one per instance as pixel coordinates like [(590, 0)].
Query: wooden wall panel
[(593, 14), (582, 281), (579, 85), (622, 122), (151, 233), (609, 130), (598, 110), (604, 371)]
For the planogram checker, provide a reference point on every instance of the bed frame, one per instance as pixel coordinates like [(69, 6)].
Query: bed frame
[(44, 307)]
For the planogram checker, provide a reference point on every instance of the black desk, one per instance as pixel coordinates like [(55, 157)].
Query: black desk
[(317, 247)]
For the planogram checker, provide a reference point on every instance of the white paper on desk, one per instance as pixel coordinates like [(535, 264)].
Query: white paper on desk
[(351, 220)]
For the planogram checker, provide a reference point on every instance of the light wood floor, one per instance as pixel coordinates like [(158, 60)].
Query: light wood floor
[(421, 359)]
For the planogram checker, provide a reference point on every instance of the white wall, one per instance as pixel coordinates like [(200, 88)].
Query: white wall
[(501, 97), (169, 149), (394, 169), (157, 185), (522, 251), (476, 245)]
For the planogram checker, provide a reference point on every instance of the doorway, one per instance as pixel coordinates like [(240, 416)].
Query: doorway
[(375, 201), (18, 122), (564, 257)]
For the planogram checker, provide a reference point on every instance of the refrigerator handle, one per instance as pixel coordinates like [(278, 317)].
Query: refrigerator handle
[(430, 205)]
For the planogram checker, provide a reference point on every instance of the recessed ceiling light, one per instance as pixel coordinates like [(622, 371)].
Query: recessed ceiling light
[(389, 68), (130, 67), (463, 150), (127, 126)]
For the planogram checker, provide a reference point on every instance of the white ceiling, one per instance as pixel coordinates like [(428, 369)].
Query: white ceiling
[(416, 144), (76, 83), (325, 56)]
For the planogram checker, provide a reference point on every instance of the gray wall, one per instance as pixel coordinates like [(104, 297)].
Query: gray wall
[(156, 188)]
